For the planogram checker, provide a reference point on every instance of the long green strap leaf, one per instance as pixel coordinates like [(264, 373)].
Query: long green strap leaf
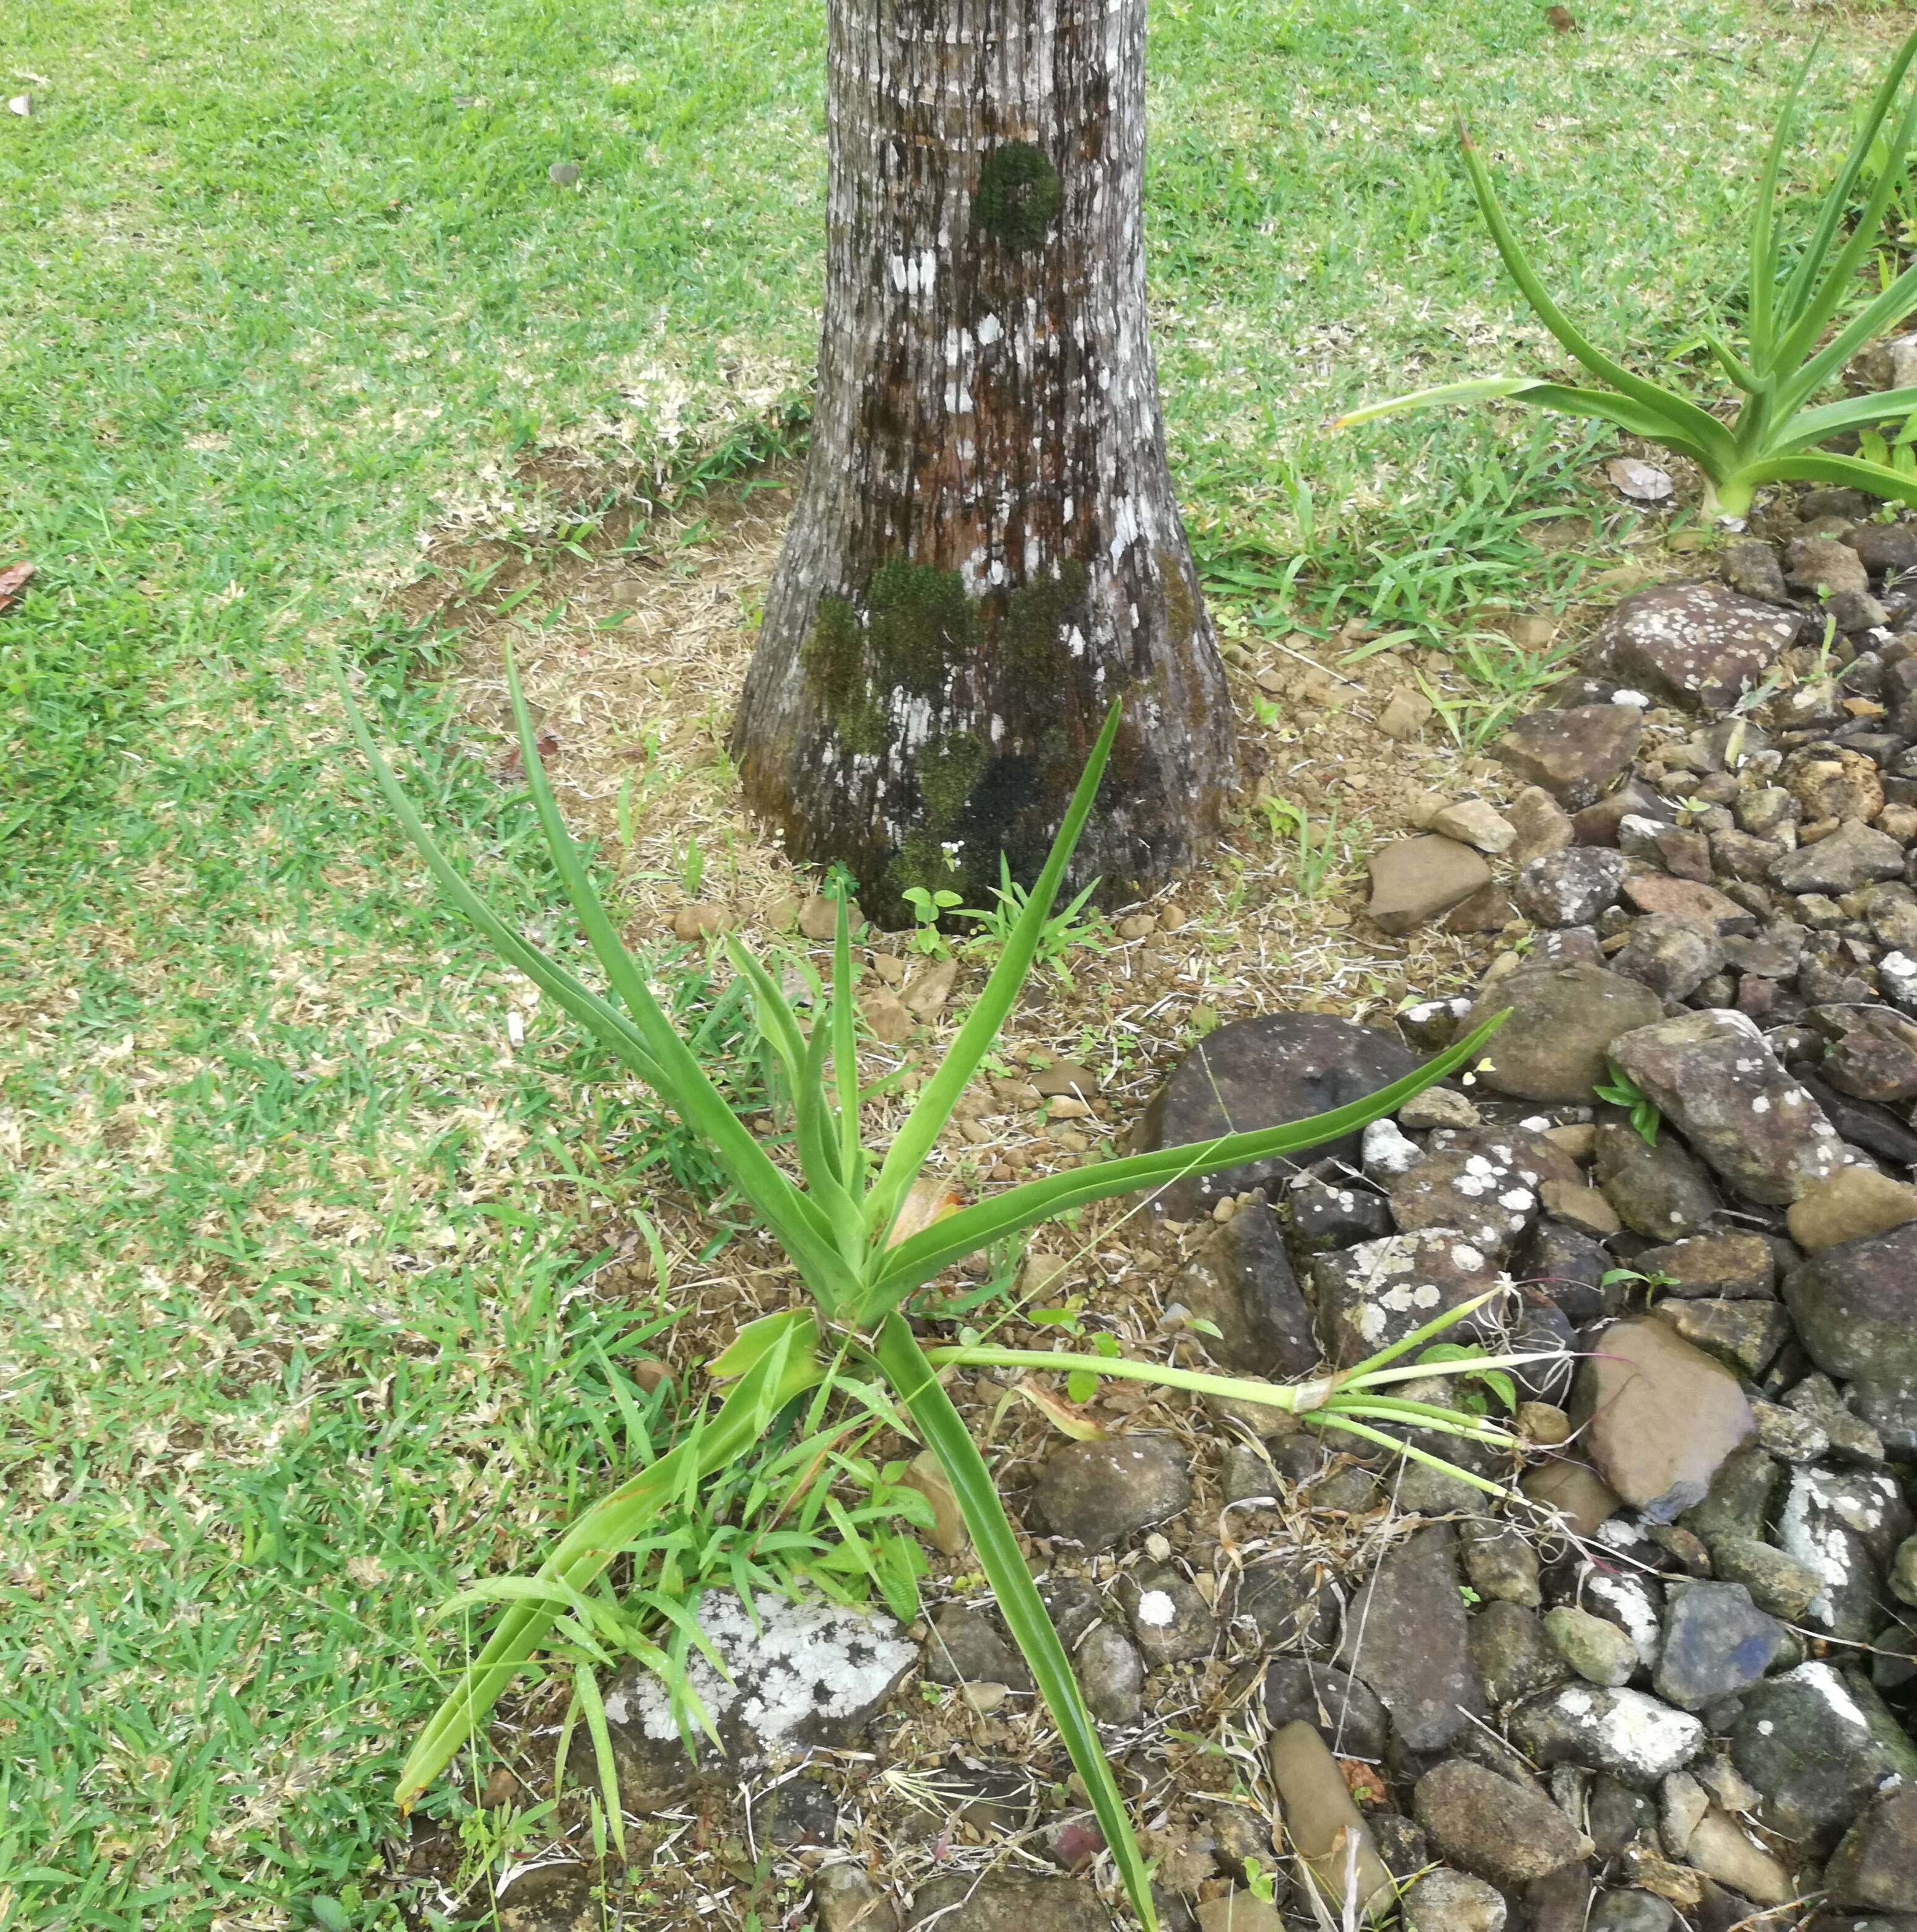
[(1848, 472), (916, 1383), (926, 1121), (1817, 426), (1883, 312), (972, 1229), (1763, 224)]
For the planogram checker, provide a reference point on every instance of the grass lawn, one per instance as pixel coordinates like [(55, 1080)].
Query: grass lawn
[(297, 1338)]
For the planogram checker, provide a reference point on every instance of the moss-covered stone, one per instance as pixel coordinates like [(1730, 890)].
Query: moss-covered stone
[(1019, 195)]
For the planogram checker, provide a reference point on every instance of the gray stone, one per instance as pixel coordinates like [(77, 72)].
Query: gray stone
[(1333, 1211), (1696, 644), (1631, 1910), (1171, 1622), (1818, 563), (1713, 1268), (967, 1902), (1817, 1743), (1286, 1598), (1405, 1636), (1875, 1867), (1851, 1438), (965, 1648), (1598, 1651), (1448, 1901), (1264, 1072), (1377, 1293), (1485, 1187), (1659, 1189), (847, 1900), (1500, 1561), (1718, 1643), (1714, 1076), (1511, 1657), (1754, 569), (1670, 956), (1853, 856), (1846, 1525), (1637, 1739), (1099, 1493), (1414, 879), (1346, 1713), (1241, 1281), (1112, 1675), (1885, 549), (1562, 1021), (1575, 755), (1778, 1583), (1438, 1107), (1569, 888), (1856, 1308), (1659, 1417), (1492, 1828), (1542, 825)]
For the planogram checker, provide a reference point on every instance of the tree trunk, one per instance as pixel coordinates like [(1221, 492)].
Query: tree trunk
[(986, 550)]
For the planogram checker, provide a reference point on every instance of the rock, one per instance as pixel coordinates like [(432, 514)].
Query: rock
[(1631, 1910), (1574, 1492), (699, 922), (1402, 1846), (1414, 880), (1346, 1713), (1260, 1073), (1499, 1560), (1575, 755), (1701, 906), (1659, 1417), (1638, 1739), (1875, 1057), (1695, 644), (1722, 1849), (1438, 1107), (1510, 1656), (1598, 1651), (1846, 1525), (847, 1900), (1561, 1902), (1854, 1305), (1406, 714), (1579, 1206), (1485, 1187), (1495, 1828), (1875, 1867), (965, 1648), (1563, 1019), (1377, 1293), (1096, 1494), (1474, 822), (1854, 856), (1541, 823), (967, 1903), (1405, 1636), (1112, 1675), (1670, 956), (1449, 1901), (1171, 1623), (1569, 888), (1817, 1743), (1597, 824), (885, 1017), (1778, 1583), (802, 1674), (1326, 1214), (1853, 1204), (1815, 1399), (1713, 1268), (1388, 1152), (1241, 1281), (1752, 568), (1828, 782), (1569, 1266), (1659, 1189), (1322, 1822), (1817, 563), (1284, 1596), (1745, 1336), (1714, 1076), (1903, 1571), (926, 1474), (1717, 1644), (796, 1811), (1239, 1913)]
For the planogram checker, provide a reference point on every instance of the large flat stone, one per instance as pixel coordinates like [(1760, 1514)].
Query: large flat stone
[(1692, 643), (1562, 1021)]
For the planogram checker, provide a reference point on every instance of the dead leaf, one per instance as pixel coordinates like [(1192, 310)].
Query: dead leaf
[(930, 989), (1363, 1783), (21, 104), (926, 1202), (1643, 482), (13, 580), (1562, 19), (1063, 1416)]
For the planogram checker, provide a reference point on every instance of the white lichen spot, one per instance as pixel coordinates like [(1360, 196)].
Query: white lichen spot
[(1157, 1608)]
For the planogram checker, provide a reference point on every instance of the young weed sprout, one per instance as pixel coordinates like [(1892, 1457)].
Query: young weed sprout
[(1775, 436), (863, 1240)]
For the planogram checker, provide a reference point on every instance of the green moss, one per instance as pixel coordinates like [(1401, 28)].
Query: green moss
[(921, 860), (1181, 608), (1019, 195), (921, 621), (949, 767), (1036, 620), (830, 655)]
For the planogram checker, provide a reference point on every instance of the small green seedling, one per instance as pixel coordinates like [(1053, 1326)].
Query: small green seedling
[(1623, 1091), (928, 907)]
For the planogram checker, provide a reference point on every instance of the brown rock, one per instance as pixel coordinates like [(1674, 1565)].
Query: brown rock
[(1581, 1207), (696, 921), (1413, 879), (1693, 643), (1321, 1820), (886, 1016), (1542, 824), (1854, 1202), (1703, 907), (1575, 1491), (1575, 755), (1493, 1828), (1563, 1019), (1659, 1416), (1830, 783)]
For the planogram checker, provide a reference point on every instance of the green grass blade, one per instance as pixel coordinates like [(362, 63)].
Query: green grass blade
[(1330, 1418), (972, 1229), (1699, 425), (785, 1366), (844, 1034), (1477, 389), (1794, 304), (586, 1688), (1763, 293), (916, 1382), (1847, 472), (922, 1126), (799, 1224)]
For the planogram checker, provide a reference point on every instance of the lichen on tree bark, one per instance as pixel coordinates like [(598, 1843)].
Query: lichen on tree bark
[(986, 549)]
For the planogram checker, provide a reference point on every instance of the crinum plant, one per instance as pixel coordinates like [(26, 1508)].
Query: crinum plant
[(864, 1236), (1790, 353)]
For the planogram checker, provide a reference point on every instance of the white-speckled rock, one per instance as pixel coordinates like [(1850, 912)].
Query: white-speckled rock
[(1638, 1739)]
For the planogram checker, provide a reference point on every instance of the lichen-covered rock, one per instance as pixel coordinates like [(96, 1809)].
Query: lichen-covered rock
[(1171, 1622), (1671, 956), (1846, 1525), (1695, 644), (1405, 1636), (1713, 1268), (1659, 1417), (1494, 1828), (1561, 1021), (1263, 1072), (1485, 1184), (1096, 1494), (1575, 755), (1569, 888), (1817, 1743), (1449, 1901), (1715, 1078), (1637, 1739), (1377, 1293), (1856, 1308)]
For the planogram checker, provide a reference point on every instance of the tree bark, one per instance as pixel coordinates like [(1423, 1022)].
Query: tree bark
[(986, 550)]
